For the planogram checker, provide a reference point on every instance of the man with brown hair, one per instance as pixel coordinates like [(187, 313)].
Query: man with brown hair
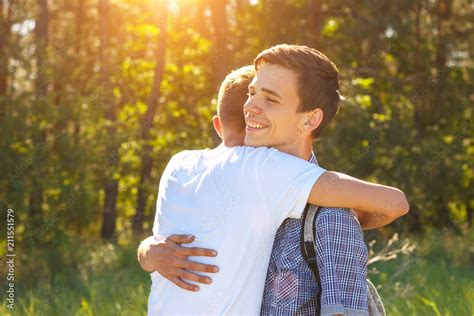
[(340, 248), (292, 98)]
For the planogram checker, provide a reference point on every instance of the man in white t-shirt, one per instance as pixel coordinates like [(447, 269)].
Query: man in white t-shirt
[(217, 194), (229, 199)]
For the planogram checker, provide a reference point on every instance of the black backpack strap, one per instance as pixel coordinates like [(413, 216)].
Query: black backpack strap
[(308, 249)]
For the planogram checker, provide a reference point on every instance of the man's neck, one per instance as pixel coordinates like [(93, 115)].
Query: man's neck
[(233, 140), (302, 149)]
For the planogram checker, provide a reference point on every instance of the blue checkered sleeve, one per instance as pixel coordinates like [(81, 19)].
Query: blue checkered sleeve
[(342, 262)]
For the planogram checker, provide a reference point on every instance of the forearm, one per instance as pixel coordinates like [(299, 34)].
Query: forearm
[(142, 254), (334, 189), (373, 220)]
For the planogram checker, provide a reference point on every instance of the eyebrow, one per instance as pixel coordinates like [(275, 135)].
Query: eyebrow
[(271, 92), (266, 90)]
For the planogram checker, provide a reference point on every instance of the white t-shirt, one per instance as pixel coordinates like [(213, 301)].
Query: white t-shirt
[(233, 200)]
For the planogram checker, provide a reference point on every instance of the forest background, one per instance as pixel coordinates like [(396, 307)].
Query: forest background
[(96, 95)]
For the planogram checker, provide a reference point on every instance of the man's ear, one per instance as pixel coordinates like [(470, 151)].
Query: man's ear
[(217, 125), (314, 119)]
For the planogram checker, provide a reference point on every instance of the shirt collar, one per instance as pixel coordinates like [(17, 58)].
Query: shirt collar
[(313, 159)]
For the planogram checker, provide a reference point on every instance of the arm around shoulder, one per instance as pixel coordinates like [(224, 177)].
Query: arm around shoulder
[(334, 189)]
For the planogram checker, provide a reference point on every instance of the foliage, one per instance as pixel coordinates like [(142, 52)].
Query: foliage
[(74, 106)]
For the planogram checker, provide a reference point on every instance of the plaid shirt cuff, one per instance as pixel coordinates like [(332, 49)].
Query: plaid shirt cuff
[(330, 310)]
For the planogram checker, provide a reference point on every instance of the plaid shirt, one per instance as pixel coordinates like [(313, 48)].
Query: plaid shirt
[(342, 260)]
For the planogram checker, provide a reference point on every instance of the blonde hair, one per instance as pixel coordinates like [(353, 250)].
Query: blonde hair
[(232, 97)]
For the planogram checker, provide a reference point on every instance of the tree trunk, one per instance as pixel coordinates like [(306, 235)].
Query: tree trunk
[(41, 33), (444, 10), (221, 51), (4, 55), (437, 99), (41, 89), (5, 30), (80, 15), (419, 98), (469, 217), (220, 55), (201, 19), (109, 213), (316, 23), (152, 105)]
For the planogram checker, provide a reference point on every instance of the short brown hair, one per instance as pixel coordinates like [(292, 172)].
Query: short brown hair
[(232, 97), (318, 78)]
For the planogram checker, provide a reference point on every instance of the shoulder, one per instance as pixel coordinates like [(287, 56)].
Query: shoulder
[(255, 150), (182, 154), (183, 160), (339, 228), (273, 158), (336, 216), (183, 157), (261, 155)]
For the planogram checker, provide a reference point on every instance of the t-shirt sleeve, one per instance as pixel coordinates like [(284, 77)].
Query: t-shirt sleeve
[(170, 172), (285, 182)]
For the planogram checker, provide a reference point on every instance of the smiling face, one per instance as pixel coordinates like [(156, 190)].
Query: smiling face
[(271, 111)]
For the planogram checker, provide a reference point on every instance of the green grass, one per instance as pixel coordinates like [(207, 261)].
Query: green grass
[(107, 281), (102, 279), (436, 279)]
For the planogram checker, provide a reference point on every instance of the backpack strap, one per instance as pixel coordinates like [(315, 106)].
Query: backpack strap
[(308, 250)]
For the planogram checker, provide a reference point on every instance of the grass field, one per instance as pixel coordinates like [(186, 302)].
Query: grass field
[(437, 278)]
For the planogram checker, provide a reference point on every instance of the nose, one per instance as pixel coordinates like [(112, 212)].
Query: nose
[(251, 106)]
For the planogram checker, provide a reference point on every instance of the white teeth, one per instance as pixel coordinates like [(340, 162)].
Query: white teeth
[(255, 125)]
